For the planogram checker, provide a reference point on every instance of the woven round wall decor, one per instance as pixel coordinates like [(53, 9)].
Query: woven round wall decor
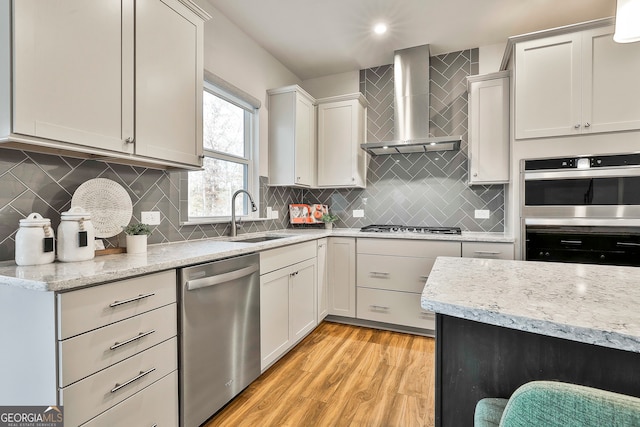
[(109, 204)]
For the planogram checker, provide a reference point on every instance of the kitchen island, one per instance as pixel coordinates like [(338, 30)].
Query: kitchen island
[(500, 324)]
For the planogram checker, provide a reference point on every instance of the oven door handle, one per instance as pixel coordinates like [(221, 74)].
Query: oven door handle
[(571, 242), (628, 245)]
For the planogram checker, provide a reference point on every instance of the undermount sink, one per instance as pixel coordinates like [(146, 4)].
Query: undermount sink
[(259, 239)]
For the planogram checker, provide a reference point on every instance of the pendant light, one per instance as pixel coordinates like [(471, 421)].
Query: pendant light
[(627, 21)]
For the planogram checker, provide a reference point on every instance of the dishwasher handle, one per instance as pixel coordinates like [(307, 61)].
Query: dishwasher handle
[(221, 278)]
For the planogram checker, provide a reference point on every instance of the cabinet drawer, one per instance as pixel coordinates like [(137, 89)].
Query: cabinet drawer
[(93, 351), (410, 248), (99, 392), (487, 250), (407, 274), (398, 308), (275, 259), (155, 405), (86, 309)]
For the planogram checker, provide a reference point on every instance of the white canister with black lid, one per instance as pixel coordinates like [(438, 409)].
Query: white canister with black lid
[(75, 236), (35, 241)]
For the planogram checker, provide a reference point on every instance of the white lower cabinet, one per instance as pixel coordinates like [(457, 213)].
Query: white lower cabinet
[(143, 409), (341, 276), (489, 250), (288, 298), (322, 282), (391, 275)]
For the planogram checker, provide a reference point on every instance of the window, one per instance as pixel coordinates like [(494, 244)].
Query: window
[(229, 126)]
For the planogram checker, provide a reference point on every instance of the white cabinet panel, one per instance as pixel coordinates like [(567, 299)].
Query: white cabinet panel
[(341, 264), (274, 315), (292, 137), (489, 128), (70, 88), (397, 308), (341, 130), (322, 282), (303, 305)]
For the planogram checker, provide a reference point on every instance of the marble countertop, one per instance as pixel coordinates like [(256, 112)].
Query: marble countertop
[(594, 304), (60, 276)]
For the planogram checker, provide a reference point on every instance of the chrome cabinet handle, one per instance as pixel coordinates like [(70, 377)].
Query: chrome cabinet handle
[(129, 140), (379, 307), (295, 273), (487, 252), (134, 299), (628, 244), (132, 380), (424, 277), (571, 242), (577, 126), (379, 274), (132, 339), (587, 124)]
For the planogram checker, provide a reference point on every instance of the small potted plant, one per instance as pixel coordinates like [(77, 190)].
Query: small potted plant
[(137, 237), (328, 220)]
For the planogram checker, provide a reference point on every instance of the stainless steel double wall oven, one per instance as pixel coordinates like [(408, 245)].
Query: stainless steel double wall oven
[(582, 209)]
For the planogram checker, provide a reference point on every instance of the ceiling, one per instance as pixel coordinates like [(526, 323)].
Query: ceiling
[(315, 38)]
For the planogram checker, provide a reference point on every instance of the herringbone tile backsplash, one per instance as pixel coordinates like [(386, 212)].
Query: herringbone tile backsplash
[(419, 189), (414, 189)]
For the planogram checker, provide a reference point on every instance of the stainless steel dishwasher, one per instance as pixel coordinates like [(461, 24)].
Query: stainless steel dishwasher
[(219, 334)]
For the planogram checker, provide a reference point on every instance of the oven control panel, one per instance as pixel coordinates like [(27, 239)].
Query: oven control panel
[(620, 160)]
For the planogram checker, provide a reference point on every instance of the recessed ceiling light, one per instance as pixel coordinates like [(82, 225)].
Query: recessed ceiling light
[(380, 28)]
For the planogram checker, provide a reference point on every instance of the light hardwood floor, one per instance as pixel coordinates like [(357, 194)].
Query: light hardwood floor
[(342, 375)]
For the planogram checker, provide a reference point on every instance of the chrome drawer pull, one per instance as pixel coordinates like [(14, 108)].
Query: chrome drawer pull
[(134, 299), (571, 242), (130, 340), (487, 252), (136, 378), (155, 425), (627, 244), (424, 277), (379, 274), (379, 307)]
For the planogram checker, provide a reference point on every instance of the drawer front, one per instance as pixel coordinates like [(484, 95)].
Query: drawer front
[(406, 274), (87, 309), (398, 308), (156, 405), (410, 248), (487, 250), (93, 351), (91, 396), (275, 259)]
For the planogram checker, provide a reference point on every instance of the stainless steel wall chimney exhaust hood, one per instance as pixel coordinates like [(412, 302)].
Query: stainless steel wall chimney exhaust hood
[(411, 108)]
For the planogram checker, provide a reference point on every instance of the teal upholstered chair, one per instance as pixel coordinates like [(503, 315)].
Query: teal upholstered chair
[(557, 404)]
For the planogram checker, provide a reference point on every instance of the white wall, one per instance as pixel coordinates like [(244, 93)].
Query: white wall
[(490, 57), (233, 56), (333, 85)]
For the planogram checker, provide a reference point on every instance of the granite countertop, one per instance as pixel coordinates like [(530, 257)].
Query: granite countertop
[(60, 276), (594, 304)]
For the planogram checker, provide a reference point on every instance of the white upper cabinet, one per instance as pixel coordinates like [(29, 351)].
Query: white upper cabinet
[(489, 128), (576, 83), (169, 68), (111, 78), (73, 72), (292, 137), (341, 130)]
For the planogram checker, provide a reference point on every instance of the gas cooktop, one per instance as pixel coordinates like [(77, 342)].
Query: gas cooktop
[(375, 228)]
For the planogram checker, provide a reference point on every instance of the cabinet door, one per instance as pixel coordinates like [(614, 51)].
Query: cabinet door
[(322, 283), (611, 94), (341, 265), (302, 299), (489, 131), (548, 87), (304, 141), (73, 71), (337, 133), (274, 315), (168, 81)]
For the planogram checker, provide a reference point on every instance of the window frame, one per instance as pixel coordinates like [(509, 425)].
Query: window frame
[(249, 160)]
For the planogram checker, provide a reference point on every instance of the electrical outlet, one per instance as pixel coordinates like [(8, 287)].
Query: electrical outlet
[(358, 213), (482, 213), (269, 211), (150, 218), (275, 214)]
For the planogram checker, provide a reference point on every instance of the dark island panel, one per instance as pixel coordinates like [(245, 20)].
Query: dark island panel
[(476, 360)]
